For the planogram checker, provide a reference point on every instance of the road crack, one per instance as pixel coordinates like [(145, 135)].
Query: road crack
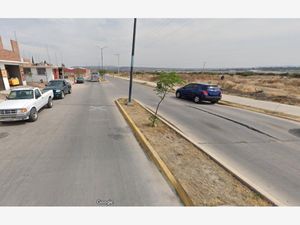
[(236, 122)]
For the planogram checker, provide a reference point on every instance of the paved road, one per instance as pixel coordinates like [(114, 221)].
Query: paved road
[(79, 151), (262, 148)]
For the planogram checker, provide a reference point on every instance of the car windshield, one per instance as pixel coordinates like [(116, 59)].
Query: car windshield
[(56, 83), (20, 94)]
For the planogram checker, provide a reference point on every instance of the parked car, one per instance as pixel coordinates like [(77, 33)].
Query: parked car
[(24, 104), (200, 92), (95, 77), (79, 80), (59, 87)]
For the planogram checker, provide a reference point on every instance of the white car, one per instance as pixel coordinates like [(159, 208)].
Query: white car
[(24, 104), (95, 77)]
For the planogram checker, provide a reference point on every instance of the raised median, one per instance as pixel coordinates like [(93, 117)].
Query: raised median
[(198, 179)]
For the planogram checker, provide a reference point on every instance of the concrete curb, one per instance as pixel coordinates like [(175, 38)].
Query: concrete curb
[(229, 169), (156, 158), (236, 105), (260, 110)]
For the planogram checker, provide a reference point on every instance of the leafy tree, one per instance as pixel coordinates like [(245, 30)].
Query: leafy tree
[(164, 84), (102, 72)]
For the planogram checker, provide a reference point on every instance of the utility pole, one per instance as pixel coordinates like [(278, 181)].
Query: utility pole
[(15, 33), (132, 59), (118, 55), (102, 59), (62, 65), (102, 67), (61, 58), (203, 67), (55, 59), (48, 54)]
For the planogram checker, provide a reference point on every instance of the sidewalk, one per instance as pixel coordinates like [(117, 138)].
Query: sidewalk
[(272, 106), (265, 105)]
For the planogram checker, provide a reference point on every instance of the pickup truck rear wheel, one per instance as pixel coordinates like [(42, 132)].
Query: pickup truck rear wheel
[(33, 116), (50, 103)]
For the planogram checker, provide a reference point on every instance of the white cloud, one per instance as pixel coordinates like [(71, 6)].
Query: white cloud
[(160, 42)]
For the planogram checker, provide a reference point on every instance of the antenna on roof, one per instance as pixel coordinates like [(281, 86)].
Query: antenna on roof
[(49, 59), (55, 58)]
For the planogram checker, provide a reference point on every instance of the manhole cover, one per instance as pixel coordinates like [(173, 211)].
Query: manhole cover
[(3, 134), (295, 132)]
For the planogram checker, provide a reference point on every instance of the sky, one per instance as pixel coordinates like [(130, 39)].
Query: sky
[(175, 43)]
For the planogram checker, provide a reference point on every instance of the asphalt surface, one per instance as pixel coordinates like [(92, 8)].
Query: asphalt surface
[(79, 153), (263, 148)]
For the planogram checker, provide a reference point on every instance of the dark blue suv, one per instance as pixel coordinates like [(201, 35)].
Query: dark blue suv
[(200, 92)]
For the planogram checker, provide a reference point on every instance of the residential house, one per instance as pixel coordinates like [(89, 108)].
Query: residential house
[(40, 72), (10, 66)]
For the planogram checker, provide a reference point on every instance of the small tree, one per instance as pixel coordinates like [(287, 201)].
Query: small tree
[(102, 72), (164, 84)]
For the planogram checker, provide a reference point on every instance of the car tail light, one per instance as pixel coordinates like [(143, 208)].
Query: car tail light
[(205, 92)]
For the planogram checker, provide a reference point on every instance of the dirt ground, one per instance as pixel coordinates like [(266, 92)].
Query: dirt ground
[(276, 88), (206, 182)]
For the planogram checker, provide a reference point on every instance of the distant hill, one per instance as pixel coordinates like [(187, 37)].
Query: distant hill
[(275, 70)]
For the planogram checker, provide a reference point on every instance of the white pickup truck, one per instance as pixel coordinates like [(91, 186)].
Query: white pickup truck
[(24, 104)]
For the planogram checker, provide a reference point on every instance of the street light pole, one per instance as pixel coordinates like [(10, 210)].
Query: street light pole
[(102, 66), (102, 59), (101, 49), (132, 59), (118, 55), (203, 67)]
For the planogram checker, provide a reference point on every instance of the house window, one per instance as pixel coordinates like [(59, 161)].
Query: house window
[(27, 71), (41, 71)]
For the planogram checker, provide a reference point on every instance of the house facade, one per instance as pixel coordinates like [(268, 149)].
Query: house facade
[(41, 72), (10, 66)]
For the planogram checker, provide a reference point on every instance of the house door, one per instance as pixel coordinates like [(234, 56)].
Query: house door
[(56, 74)]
